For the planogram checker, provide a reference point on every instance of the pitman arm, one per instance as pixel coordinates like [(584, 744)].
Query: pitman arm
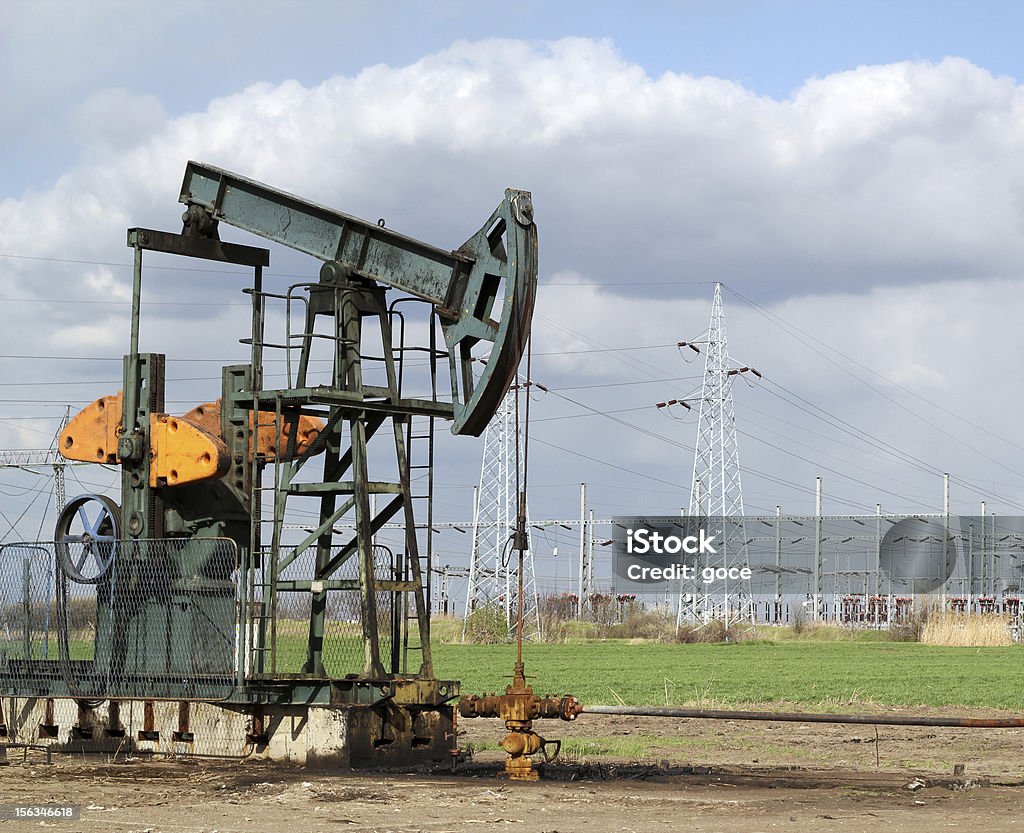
[(498, 262)]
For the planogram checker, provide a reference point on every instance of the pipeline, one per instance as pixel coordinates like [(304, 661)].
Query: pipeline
[(798, 717)]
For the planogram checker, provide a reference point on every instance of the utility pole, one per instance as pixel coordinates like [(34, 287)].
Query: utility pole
[(590, 553), (817, 550), (992, 570), (777, 603), (581, 584), (878, 563), (984, 549), (945, 538)]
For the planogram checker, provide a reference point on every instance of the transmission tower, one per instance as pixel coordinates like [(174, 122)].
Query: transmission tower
[(716, 491), (493, 562), (41, 458)]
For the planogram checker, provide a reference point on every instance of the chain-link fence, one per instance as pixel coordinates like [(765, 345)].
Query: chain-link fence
[(151, 618)]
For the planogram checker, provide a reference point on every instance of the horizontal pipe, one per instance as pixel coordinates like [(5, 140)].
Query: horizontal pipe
[(798, 717)]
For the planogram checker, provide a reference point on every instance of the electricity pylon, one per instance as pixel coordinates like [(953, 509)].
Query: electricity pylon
[(36, 458), (493, 562), (716, 490)]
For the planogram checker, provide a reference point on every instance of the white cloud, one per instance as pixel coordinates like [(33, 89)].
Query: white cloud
[(110, 120), (877, 175), (879, 209)]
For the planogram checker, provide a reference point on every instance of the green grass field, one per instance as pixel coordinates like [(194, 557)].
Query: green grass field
[(840, 672), (824, 667), (838, 675)]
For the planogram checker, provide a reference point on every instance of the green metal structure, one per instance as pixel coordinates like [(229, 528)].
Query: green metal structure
[(191, 581)]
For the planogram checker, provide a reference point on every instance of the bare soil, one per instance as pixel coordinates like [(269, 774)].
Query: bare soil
[(691, 775)]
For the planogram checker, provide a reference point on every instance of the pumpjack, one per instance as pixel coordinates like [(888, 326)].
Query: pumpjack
[(204, 587)]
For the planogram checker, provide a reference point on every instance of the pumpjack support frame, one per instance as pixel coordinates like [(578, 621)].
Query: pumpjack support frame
[(480, 296)]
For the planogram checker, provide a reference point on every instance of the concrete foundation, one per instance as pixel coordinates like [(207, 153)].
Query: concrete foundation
[(362, 737)]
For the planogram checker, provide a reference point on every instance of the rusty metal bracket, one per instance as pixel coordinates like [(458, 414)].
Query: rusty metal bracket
[(551, 758)]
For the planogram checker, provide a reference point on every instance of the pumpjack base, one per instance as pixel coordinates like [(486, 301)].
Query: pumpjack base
[(384, 735)]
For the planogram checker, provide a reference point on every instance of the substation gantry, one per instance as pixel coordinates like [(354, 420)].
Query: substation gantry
[(186, 576)]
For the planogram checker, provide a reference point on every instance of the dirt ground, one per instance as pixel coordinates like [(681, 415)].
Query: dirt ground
[(695, 775)]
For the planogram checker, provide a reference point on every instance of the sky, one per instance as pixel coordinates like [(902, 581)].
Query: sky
[(849, 172)]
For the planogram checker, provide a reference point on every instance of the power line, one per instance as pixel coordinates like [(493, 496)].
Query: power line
[(748, 421), (783, 325), (879, 444)]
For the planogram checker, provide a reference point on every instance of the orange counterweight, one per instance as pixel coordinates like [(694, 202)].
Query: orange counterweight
[(184, 449)]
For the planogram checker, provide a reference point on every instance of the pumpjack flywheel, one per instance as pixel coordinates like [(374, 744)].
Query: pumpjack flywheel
[(85, 537)]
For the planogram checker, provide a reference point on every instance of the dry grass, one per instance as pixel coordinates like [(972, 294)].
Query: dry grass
[(967, 630), (716, 630)]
